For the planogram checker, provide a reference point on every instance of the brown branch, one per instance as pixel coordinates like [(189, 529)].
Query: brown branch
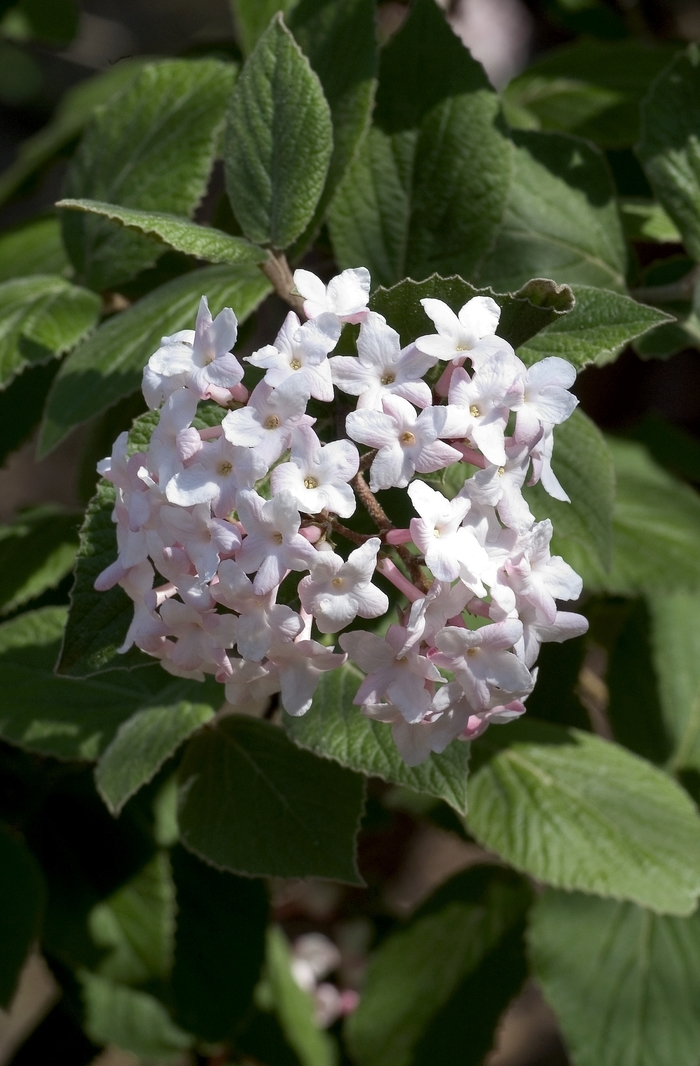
[(370, 503), (367, 458), (350, 534), (276, 269)]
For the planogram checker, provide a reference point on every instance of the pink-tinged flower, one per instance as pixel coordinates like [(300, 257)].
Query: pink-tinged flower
[(539, 578), (478, 408), (450, 549), (382, 368), (262, 622), (345, 296), (201, 638), (417, 741), (251, 684), (272, 544), (125, 474), (501, 487), (541, 455), (218, 471), (317, 475), (147, 629), (407, 442), (394, 674), (173, 441), (566, 626), (300, 665), (546, 400), (467, 334), (204, 539), (429, 614), (301, 352), (482, 664), (268, 420), (199, 360), (336, 591)]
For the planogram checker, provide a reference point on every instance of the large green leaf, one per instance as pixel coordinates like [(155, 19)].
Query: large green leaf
[(109, 365), (21, 904), (669, 146), (253, 803), (335, 729), (131, 1019), (34, 247), (36, 552), (219, 946), (252, 18), (576, 811), (279, 140), (624, 982), (675, 637), (561, 220), (73, 112), (429, 986), (600, 325), (150, 147), (22, 404), (523, 313), (41, 316), (71, 719)]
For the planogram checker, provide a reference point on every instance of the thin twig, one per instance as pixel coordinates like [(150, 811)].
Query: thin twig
[(349, 534), (370, 502), (276, 269)]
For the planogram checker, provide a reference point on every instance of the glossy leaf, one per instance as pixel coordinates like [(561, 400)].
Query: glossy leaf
[(623, 982), (579, 812), (132, 154), (278, 141), (675, 636), (335, 729), (34, 247), (131, 1019), (41, 316), (429, 981), (109, 365), (252, 803), (21, 905), (36, 552)]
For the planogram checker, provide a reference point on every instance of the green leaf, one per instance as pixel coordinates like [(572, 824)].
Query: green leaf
[(219, 947), (591, 88), (624, 983), (252, 17), (142, 744), (21, 904), (278, 142), (132, 1020), (54, 24), (136, 926), (656, 530), (71, 719), (253, 803), (561, 220), (202, 242), (33, 247), (109, 365), (36, 552), (132, 154), (584, 466), (347, 75), (41, 317), (523, 313), (675, 637), (335, 729), (72, 114), (668, 146), (579, 812), (426, 982), (22, 404), (293, 1006), (601, 324), (645, 220)]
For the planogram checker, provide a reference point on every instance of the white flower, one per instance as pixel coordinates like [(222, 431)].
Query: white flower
[(407, 442), (541, 455), (301, 352), (205, 539), (272, 544), (546, 400), (337, 591), (470, 333), (300, 665), (479, 406), (345, 296), (268, 420), (382, 367), (428, 615), (251, 684), (540, 578), (201, 637), (394, 673), (481, 663), (173, 441), (218, 471), (566, 625), (262, 622), (417, 741), (500, 487), (449, 547), (318, 475)]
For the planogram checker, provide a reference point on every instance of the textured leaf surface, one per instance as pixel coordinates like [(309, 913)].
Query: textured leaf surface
[(600, 325), (71, 719), (624, 982), (426, 982), (36, 552), (669, 146), (579, 812), (40, 317), (132, 154), (675, 636), (219, 947), (21, 905), (253, 803), (335, 729), (133, 1020), (35, 247), (109, 365), (278, 141)]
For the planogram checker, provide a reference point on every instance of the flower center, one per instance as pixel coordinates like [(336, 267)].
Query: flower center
[(388, 379), (338, 582), (407, 438), (501, 471), (471, 652), (437, 532), (272, 422), (295, 364), (310, 483), (474, 411), (225, 468), (278, 538), (461, 347)]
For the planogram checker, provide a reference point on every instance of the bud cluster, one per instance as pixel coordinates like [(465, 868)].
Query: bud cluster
[(215, 525)]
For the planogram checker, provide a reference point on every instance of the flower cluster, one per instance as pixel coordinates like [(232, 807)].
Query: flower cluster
[(216, 524)]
